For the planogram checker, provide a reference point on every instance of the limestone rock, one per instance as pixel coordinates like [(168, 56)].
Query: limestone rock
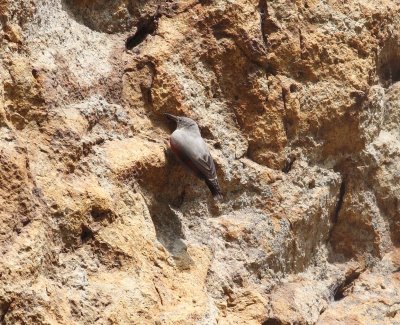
[(298, 102)]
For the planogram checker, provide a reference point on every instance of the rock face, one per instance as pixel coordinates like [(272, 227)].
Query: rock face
[(299, 104)]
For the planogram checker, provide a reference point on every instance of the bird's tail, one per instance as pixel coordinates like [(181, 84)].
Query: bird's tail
[(214, 188)]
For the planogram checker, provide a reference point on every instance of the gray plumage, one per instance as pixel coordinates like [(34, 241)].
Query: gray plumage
[(188, 145)]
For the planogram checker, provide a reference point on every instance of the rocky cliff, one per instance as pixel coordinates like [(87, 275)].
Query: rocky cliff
[(299, 102)]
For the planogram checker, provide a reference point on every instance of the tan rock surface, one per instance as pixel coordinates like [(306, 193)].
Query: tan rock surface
[(299, 104)]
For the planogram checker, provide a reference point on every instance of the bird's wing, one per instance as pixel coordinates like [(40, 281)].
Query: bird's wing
[(194, 153), (206, 168), (205, 165)]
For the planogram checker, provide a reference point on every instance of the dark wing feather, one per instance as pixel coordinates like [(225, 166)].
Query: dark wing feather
[(206, 166), (202, 166)]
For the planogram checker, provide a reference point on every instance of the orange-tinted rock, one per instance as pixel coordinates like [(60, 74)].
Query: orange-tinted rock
[(298, 103)]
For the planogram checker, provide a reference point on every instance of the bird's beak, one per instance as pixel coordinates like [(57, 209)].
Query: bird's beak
[(171, 117)]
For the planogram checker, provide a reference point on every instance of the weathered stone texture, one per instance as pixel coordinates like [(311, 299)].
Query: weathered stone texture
[(299, 104)]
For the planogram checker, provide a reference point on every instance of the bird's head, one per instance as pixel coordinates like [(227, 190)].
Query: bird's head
[(181, 121)]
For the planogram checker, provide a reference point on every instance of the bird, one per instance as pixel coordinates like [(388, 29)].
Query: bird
[(189, 147)]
